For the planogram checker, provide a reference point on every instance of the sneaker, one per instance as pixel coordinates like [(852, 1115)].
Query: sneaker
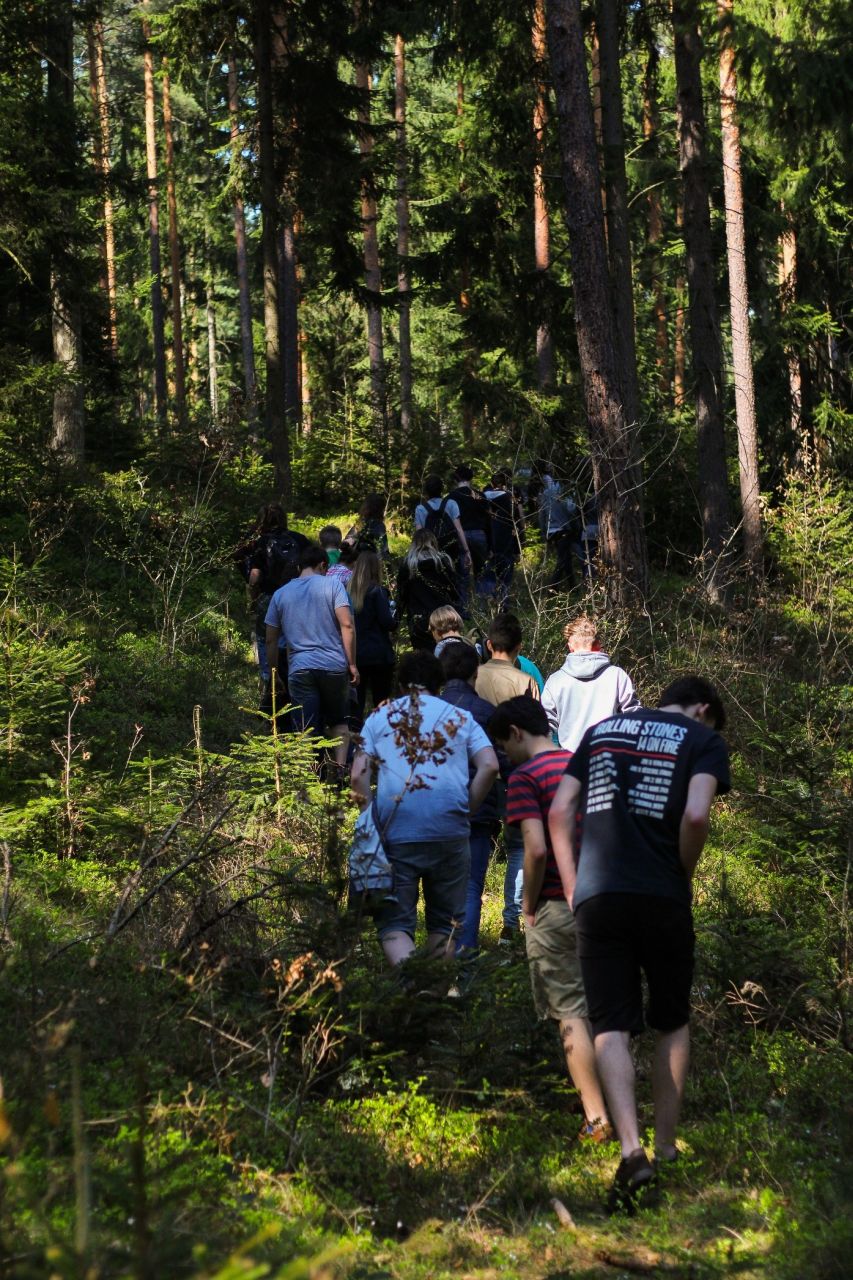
[(507, 936), (633, 1184), (595, 1131)]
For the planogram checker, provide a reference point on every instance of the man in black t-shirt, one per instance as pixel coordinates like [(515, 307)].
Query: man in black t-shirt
[(644, 783)]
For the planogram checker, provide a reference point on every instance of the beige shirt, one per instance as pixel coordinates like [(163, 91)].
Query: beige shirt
[(499, 679)]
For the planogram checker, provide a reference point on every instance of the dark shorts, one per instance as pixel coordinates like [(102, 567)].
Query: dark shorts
[(442, 867), (322, 698), (620, 937)]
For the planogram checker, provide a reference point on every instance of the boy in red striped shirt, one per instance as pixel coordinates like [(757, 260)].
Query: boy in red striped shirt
[(520, 727)]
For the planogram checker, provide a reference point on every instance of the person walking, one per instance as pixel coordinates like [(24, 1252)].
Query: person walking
[(559, 521), (644, 782), (426, 580), (475, 519), (375, 624), (441, 517), (587, 686), (507, 532)]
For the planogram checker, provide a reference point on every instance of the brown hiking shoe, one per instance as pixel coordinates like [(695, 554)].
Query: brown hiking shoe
[(595, 1131)]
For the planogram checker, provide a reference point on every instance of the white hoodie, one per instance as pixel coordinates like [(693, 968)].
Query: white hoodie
[(585, 690)]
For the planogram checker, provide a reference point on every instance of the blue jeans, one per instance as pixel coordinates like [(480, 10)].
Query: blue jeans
[(442, 867), (263, 664), (481, 847), (513, 877)]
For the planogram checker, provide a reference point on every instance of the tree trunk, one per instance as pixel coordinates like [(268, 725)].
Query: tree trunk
[(595, 64), (616, 187), (210, 312), (617, 482), (244, 295), (704, 321), (468, 364), (289, 290), (747, 431), (404, 285), (541, 220), (158, 336), (372, 271), (679, 351), (655, 233), (101, 142), (67, 438), (788, 296), (275, 414), (174, 250), (305, 383)]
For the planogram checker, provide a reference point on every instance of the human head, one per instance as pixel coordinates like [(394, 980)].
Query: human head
[(463, 473), (459, 661), (515, 723), (349, 554), (581, 634), (272, 517), (698, 696), (366, 574), (444, 621), (420, 670), (313, 557), (504, 635), (329, 536), (373, 507), (432, 486), (501, 479)]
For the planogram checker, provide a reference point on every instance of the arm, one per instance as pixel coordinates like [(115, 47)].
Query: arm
[(254, 583), (360, 779), (626, 697), (343, 613), (485, 764), (384, 615), (550, 707), (696, 820), (562, 828), (535, 858), (463, 542)]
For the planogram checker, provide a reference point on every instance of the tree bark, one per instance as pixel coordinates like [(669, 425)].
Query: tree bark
[(617, 483), (210, 314), (747, 431), (541, 219), (468, 363), (679, 350), (244, 295), (404, 284), (274, 395), (101, 142), (704, 320), (616, 187), (655, 233), (158, 336), (788, 296), (289, 288), (372, 270), (174, 250), (598, 120), (67, 438)]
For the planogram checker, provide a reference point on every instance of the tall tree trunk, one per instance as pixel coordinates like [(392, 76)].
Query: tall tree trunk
[(174, 249), (616, 186), (274, 396), (210, 313), (541, 218), (289, 289), (598, 119), (372, 271), (616, 475), (788, 296), (67, 438), (158, 336), (305, 383), (468, 416), (679, 350), (243, 291), (747, 431), (404, 284), (704, 320), (655, 233), (101, 140)]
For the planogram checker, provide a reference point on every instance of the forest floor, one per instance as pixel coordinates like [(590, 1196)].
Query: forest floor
[(206, 1070)]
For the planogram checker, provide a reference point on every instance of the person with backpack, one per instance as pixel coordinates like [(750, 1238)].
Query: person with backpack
[(369, 532), (507, 525), (441, 517), (475, 519), (425, 581), (274, 561), (560, 522)]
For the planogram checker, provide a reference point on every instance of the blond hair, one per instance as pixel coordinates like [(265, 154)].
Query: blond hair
[(444, 619), (583, 628), (366, 575)]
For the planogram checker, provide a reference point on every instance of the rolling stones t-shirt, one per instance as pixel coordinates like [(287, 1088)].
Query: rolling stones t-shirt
[(635, 771)]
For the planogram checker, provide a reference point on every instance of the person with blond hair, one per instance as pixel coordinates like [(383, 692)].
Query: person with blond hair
[(445, 627), (375, 624), (425, 581), (587, 688)]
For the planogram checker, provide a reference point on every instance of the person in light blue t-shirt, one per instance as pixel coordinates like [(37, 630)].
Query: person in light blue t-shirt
[(314, 613), (421, 748)]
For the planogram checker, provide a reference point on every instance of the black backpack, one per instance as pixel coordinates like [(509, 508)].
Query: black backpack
[(280, 558), (440, 524)]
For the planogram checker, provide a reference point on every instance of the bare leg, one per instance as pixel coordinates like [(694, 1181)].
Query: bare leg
[(441, 945), (397, 947), (669, 1072), (616, 1069), (341, 731), (580, 1059)]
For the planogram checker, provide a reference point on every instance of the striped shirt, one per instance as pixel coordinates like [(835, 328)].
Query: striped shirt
[(530, 792)]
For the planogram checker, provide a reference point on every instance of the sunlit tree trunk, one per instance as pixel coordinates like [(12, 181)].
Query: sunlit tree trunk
[(616, 475), (404, 286), (244, 296), (101, 143), (655, 233), (706, 348), (372, 270), (174, 249), (305, 383), (468, 416), (788, 296), (598, 121), (541, 217), (747, 431), (679, 348), (210, 314), (158, 336), (289, 297)]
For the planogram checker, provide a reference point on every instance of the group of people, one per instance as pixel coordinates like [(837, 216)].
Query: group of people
[(603, 804)]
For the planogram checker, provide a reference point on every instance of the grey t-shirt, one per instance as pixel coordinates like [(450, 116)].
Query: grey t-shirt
[(304, 611)]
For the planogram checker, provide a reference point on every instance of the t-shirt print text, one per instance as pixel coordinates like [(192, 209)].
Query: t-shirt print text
[(651, 749)]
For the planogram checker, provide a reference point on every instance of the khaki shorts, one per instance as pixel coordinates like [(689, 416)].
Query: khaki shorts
[(552, 954)]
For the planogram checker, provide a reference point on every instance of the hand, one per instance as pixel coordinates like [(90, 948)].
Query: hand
[(466, 559), (570, 898), (353, 674), (529, 917)]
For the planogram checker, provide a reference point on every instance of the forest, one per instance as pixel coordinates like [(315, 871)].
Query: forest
[(302, 252)]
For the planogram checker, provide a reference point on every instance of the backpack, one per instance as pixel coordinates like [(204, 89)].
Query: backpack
[(280, 559), (439, 523)]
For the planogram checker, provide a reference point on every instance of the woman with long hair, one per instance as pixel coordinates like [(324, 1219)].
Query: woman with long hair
[(369, 532), (426, 580), (374, 623)]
